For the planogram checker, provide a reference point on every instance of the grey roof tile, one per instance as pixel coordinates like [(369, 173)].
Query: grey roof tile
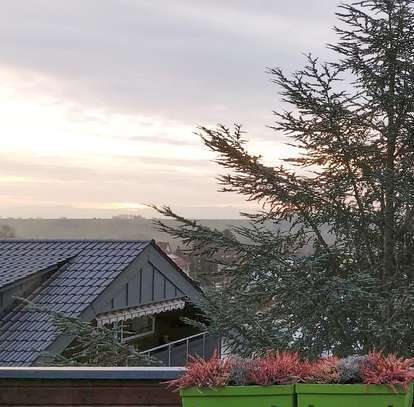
[(89, 267)]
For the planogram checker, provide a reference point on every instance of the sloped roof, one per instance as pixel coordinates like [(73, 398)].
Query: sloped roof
[(21, 259), (89, 267)]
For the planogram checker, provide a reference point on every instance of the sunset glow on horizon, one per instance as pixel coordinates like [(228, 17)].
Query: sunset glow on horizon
[(90, 130)]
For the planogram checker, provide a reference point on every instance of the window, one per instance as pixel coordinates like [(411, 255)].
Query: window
[(133, 329), (137, 328)]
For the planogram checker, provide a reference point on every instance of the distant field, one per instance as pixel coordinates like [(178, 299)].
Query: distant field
[(116, 228)]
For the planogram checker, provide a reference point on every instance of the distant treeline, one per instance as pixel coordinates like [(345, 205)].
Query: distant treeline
[(120, 227)]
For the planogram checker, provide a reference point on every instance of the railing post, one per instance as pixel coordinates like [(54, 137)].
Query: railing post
[(169, 355), (168, 346)]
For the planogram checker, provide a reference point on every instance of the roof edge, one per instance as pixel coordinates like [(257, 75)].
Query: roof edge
[(178, 268), (91, 373), (51, 269), (75, 240)]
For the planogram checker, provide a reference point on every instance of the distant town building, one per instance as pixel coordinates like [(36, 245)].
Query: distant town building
[(208, 271), (180, 260)]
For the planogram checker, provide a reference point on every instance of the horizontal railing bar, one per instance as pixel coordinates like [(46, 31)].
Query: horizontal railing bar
[(171, 344)]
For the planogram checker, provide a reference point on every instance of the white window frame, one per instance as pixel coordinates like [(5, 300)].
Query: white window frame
[(138, 336)]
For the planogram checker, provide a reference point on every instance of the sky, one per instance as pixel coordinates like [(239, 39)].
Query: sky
[(100, 99)]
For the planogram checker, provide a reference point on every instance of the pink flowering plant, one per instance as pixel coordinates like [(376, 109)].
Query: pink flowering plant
[(282, 367)]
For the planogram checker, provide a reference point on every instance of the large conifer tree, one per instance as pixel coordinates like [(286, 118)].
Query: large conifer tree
[(349, 193)]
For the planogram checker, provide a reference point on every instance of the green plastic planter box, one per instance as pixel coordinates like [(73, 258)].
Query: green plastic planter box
[(240, 396), (353, 395)]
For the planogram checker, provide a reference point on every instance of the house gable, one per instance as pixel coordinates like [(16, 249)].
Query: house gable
[(150, 278)]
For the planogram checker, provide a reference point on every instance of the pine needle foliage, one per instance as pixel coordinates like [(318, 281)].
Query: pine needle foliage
[(349, 193), (91, 346)]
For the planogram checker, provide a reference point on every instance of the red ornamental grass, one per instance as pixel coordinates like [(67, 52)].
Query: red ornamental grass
[(390, 369), (321, 371), (214, 372), (276, 368)]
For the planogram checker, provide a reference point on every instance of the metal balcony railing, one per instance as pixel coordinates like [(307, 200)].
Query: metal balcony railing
[(200, 344)]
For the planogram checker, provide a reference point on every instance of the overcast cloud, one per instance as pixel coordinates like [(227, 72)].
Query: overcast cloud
[(99, 99)]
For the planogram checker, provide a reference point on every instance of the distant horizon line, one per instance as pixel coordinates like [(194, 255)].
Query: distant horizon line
[(116, 217)]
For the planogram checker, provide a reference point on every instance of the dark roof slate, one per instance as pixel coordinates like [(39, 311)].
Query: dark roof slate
[(20, 259), (90, 266)]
